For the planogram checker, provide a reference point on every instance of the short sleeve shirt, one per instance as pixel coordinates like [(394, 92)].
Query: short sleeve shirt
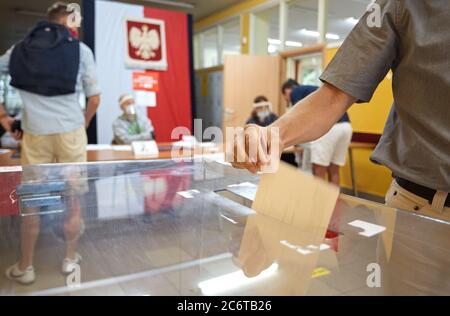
[(411, 38), (44, 115)]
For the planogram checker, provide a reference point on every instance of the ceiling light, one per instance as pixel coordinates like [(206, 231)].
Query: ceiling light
[(310, 33), (317, 34), (333, 36), (352, 20), (277, 42), (273, 41), (294, 44)]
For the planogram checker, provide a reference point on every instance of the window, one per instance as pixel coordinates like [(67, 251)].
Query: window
[(343, 16), (231, 37), (211, 45)]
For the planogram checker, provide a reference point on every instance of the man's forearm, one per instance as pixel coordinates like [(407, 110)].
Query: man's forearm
[(91, 108), (314, 116)]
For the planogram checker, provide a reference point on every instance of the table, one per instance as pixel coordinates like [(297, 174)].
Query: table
[(116, 155), (167, 228), (107, 155)]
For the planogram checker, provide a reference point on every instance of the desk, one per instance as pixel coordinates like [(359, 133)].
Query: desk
[(165, 152), (6, 159)]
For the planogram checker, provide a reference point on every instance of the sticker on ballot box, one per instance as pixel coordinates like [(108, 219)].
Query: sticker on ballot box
[(145, 149)]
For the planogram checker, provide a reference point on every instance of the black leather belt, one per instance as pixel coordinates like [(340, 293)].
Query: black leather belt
[(420, 190)]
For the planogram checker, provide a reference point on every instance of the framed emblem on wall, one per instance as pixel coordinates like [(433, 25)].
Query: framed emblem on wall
[(145, 44)]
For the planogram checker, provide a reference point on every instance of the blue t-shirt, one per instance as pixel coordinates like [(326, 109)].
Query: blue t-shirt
[(302, 91)]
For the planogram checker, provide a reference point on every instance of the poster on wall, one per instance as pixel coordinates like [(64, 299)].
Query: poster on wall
[(145, 44), (145, 87)]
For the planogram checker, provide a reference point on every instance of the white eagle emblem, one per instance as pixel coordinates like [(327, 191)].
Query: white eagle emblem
[(145, 41)]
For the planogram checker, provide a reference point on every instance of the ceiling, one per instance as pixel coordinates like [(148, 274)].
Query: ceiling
[(18, 16)]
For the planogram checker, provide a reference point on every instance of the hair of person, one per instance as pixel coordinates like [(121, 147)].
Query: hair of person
[(57, 11), (125, 97), (260, 99), (289, 84)]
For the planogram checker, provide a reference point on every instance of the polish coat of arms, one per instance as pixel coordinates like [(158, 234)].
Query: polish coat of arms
[(146, 44)]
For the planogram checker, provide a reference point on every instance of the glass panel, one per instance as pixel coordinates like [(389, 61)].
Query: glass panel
[(181, 228), (302, 23), (210, 48), (266, 32), (232, 37), (343, 16)]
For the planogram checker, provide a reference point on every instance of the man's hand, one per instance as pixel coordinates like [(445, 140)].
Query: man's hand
[(7, 122), (91, 108), (254, 148)]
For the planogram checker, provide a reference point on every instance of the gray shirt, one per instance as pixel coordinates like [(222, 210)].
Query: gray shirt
[(413, 41), (44, 115)]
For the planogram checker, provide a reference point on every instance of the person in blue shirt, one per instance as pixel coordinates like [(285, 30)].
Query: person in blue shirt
[(329, 152)]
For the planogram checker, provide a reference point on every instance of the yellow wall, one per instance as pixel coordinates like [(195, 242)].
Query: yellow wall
[(368, 118)]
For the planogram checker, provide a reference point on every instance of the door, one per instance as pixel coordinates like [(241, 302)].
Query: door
[(246, 77)]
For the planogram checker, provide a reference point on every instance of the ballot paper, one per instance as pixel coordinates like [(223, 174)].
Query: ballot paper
[(293, 212), (296, 198)]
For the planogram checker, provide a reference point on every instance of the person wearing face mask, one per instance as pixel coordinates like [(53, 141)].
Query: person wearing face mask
[(262, 114), (130, 126)]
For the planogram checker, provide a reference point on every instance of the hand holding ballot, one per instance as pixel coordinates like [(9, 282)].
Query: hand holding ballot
[(255, 148)]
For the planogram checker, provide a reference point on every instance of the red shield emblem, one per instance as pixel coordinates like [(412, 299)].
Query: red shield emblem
[(146, 44)]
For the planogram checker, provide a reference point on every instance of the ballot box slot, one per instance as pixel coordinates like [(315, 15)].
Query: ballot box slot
[(41, 198)]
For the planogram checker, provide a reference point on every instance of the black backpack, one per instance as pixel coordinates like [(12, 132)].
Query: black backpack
[(46, 61)]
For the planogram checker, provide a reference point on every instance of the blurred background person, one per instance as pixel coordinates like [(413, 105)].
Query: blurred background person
[(262, 114), (130, 126), (11, 104), (329, 152), (51, 70)]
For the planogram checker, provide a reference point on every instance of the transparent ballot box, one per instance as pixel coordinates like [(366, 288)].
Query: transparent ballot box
[(187, 228)]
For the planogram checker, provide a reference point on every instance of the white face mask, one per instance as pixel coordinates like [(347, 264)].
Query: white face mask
[(130, 110), (262, 116)]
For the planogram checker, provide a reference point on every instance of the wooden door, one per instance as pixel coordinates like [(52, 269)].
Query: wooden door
[(246, 77)]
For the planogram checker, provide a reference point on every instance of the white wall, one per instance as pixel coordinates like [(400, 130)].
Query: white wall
[(114, 78)]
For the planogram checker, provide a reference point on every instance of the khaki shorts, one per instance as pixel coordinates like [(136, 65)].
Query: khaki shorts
[(67, 147), (60, 148), (399, 198)]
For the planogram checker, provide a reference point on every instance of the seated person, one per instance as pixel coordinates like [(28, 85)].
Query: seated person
[(262, 114), (130, 126)]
